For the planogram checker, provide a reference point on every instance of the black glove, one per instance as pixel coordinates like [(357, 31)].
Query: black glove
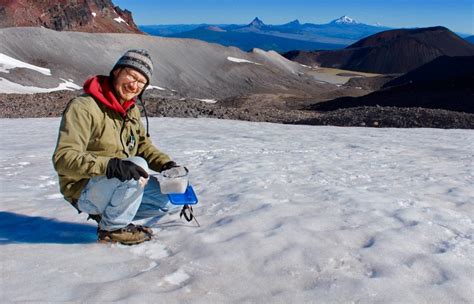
[(124, 170), (168, 165)]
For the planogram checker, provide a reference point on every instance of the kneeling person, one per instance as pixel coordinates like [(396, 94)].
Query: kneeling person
[(103, 153)]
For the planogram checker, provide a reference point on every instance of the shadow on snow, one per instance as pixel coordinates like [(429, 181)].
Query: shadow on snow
[(19, 228)]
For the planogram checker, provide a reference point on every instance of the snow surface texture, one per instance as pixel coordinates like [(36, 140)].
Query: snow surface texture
[(288, 214)]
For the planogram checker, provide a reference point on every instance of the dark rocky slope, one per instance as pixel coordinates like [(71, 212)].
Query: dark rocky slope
[(96, 16), (52, 105), (445, 83), (393, 51)]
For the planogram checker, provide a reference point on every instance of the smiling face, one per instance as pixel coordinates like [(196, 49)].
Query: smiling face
[(128, 83)]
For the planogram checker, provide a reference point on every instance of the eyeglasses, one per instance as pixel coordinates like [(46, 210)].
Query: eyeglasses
[(132, 78)]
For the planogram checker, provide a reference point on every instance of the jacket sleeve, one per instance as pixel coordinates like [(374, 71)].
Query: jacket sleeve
[(71, 157), (155, 158)]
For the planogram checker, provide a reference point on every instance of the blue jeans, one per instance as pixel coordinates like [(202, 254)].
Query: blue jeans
[(120, 203)]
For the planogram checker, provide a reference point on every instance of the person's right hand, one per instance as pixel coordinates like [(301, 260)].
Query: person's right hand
[(177, 171), (124, 170)]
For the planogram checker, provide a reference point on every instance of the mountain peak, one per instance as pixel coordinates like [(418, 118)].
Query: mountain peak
[(345, 20), (257, 22), (292, 25), (294, 22)]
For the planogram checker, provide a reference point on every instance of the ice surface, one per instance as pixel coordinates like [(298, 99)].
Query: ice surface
[(176, 278), (288, 214)]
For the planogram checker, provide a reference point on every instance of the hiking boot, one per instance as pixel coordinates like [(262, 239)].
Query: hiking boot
[(129, 235), (145, 229), (98, 218)]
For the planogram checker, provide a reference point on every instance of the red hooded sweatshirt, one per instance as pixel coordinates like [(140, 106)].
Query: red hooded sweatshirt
[(99, 88)]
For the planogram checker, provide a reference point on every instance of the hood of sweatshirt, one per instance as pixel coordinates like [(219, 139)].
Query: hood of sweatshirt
[(100, 88)]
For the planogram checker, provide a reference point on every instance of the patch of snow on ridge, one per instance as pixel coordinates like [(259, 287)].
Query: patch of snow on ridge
[(9, 87), (239, 60), (120, 20), (207, 100), (8, 63), (155, 87), (94, 14)]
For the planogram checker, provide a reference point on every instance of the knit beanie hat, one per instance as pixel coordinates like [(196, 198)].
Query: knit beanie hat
[(139, 60)]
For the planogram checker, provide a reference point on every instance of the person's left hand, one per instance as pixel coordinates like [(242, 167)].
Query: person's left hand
[(168, 165)]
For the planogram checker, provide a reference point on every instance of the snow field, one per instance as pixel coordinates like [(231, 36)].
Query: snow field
[(287, 213)]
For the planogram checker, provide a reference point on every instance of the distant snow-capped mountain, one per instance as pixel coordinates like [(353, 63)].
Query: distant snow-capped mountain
[(281, 38), (344, 20)]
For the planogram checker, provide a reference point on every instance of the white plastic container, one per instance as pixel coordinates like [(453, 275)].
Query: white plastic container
[(174, 180)]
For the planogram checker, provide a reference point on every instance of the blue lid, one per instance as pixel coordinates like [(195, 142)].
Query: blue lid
[(186, 198)]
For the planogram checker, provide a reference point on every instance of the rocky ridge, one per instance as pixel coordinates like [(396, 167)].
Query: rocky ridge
[(53, 104), (95, 16), (392, 51), (444, 83)]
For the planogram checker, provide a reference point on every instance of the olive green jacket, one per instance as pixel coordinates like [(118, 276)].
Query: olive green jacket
[(90, 135)]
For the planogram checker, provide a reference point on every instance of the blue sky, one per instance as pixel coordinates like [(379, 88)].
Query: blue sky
[(457, 15)]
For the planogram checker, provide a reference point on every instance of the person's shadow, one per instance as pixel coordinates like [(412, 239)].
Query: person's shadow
[(19, 228)]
